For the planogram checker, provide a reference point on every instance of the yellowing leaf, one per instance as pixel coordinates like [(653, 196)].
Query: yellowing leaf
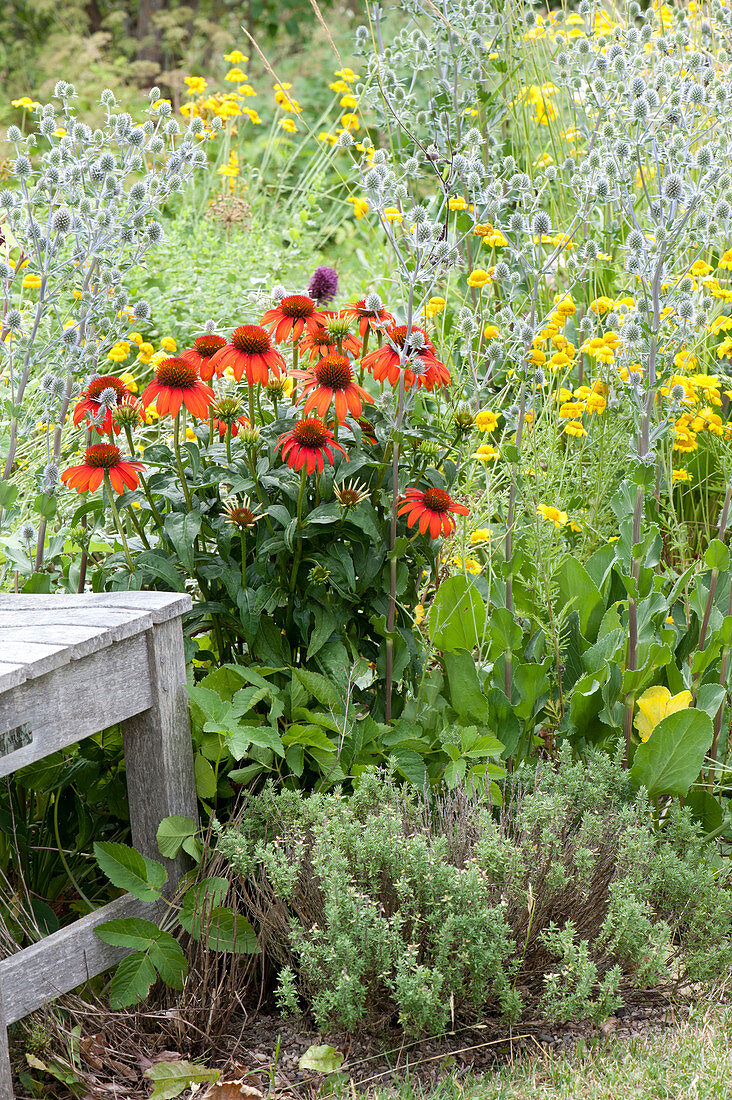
[(655, 704)]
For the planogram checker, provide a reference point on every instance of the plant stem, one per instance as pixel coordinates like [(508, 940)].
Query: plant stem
[(117, 521), (179, 462)]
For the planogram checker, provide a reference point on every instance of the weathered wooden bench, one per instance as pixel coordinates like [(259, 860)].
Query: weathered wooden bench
[(71, 666)]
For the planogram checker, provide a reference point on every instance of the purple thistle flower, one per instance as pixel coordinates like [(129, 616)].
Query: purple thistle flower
[(323, 285)]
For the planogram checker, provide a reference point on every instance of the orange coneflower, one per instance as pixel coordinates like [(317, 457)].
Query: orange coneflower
[(374, 319), (422, 364), (222, 426), (431, 509), (332, 380), (324, 339), (306, 443), (203, 350), (250, 352), (177, 382), (88, 406), (291, 315), (100, 459)]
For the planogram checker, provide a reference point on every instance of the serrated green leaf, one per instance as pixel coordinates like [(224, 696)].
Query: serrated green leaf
[(131, 981), (132, 932), (173, 830), (167, 957), (170, 1079), (127, 869)]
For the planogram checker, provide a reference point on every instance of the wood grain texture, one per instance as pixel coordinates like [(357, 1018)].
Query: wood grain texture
[(62, 961), (162, 606), (158, 751), (6, 1073), (78, 699)]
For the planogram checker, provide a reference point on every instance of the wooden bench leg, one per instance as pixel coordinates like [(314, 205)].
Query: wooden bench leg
[(6, 1076), (158, 750)]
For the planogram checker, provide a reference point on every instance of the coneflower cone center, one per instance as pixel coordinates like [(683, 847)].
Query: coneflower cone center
[(107, 382), (437, 500), (251, 340), (297, 306), (321, 339), (310, 433), (334, 371), (398, 336), (206, 346), (177, 373), (103, 456), (242, 517)]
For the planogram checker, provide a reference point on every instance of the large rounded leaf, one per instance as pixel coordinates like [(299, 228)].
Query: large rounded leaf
[(457, 615), (672, 757)]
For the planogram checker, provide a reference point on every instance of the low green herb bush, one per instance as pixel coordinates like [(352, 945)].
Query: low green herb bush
[(387, 907)]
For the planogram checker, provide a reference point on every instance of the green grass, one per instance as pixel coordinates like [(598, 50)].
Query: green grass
[(690, 1060)]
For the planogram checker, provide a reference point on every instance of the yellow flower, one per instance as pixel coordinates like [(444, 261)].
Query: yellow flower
[(486, 421), (288, 124), (251, 115), (596, 404), (548, 511), (340, 87), (573, 427), (684, 439), (480, 535), (457, 203), (700, 268), (491, 332), (130, 381), (349, 102), (360, 207), (135, 338), (146, 353), (332, 139), (570, 410), (486, 453), (419, 614), (168, 344), (235, 76), (196, 84), (25, 103), (350, 122), (434, 306), (655, 704), (467, 565), (725, 263), (391, 214), (478, 278), (346, 74), (231, 168), (236, 57), (119, 351), (31, 282), (681, 475)]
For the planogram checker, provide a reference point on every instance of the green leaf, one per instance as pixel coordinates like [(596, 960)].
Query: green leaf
[(127, 869), (671, 758), (205, 776), (457, 615), (168, 959), (132, 932), (716, 555), (578, 590), (321, 1059), (131, 981), (173, 830), (319, 687), (170, 1079), (182, 529), (466, 695)]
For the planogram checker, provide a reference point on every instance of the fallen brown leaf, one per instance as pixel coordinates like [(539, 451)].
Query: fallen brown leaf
[(232, 1090)]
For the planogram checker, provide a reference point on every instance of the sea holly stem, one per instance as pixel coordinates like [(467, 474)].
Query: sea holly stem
[(179, 462)]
